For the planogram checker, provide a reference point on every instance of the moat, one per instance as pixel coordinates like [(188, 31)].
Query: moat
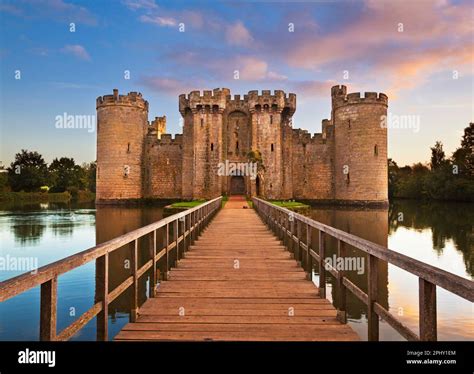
[(440, 234)]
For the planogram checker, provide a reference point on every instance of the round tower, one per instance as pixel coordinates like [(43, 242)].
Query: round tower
[(121, 128), (360, 165)]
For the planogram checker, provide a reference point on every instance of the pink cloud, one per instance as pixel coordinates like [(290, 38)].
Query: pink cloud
[(434, 36), (77, 50), (170, 86), (157, 20), (313, 88), (237, 34)]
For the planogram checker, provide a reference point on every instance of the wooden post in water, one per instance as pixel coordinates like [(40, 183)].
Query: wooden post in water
[(322, 270), (48, 309), (341, 310), (372, 293), (102, 292), (134, 301), (427, 310)]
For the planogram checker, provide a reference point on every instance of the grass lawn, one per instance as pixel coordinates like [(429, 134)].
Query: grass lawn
[(187, 204), (289, 204)]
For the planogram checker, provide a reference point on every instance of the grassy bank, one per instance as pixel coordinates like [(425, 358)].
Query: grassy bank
[(291, 204), (44, 197), (187, 204)]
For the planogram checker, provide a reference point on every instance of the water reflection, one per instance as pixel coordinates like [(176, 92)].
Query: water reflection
[(30, 222), (452, 221), (440, 234), (368, 224), (113, 221)]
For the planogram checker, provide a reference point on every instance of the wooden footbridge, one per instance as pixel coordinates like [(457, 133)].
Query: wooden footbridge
[(238, 274)]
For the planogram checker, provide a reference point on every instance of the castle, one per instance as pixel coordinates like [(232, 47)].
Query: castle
[(346, 162)]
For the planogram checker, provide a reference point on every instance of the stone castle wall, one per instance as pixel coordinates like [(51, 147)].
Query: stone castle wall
[(163, 171), (347, 161)]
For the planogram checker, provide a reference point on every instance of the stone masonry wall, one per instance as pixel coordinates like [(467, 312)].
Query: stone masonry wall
[(163, 172)]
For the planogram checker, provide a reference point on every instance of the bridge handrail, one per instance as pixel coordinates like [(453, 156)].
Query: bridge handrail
[(429, 276), (191, 220)]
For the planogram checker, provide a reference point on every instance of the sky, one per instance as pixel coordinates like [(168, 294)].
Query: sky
[(58, 56)]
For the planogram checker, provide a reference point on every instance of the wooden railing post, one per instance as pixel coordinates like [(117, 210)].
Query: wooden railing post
[(175, 239), (102, 292), (153, 274), (341, 289), (309, 258), (48, 309), (134, 301), (427, 310), (291, 243), (299, 256), (372, 293), (167, 244), (322, 269), (191, 229), (183, 222)]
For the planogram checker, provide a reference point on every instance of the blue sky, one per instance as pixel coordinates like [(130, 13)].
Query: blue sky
[(63, 71)]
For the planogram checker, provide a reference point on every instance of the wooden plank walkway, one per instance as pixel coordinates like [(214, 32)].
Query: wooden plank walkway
[(237, 283)]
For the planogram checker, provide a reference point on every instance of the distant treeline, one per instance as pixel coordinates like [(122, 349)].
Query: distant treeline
[(29, 173), (442, 179)]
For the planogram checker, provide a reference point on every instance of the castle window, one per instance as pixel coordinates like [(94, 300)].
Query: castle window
[(236, 145), (348, 179), (212, 146), (271, 119), (128, 148), (202, 122), (271, 147), (376, 150)]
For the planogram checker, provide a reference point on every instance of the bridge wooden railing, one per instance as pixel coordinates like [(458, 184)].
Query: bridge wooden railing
[(192, 221), (288, 226)]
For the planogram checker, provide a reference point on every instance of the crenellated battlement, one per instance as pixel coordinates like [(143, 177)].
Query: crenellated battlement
[(304, 137), (133, 99), (207, 99), (276, 102), (340, 97), (220, 99), (168, 139)]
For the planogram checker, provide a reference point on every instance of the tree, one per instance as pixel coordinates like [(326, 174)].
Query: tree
[(90, 171), (467, 145), (393, 176), (28, 172), (437, 156), (65, 174)]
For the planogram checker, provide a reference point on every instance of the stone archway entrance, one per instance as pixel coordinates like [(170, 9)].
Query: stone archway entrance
[(237, 185)]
